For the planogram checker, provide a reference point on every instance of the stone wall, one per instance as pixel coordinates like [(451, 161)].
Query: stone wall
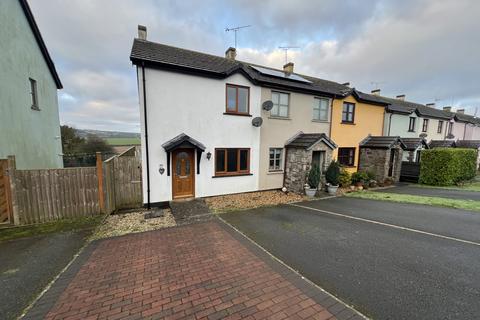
[(377, 161), (298, 164)]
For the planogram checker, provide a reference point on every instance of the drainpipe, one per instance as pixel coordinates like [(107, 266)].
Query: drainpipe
[(390, 123), (146, 134), (465, 131)]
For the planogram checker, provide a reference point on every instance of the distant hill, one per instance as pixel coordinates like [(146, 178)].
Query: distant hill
[(114, 138), (107, 134)]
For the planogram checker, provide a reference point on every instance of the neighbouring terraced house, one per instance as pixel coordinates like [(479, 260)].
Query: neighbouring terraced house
[(29, 121), (216, 125)]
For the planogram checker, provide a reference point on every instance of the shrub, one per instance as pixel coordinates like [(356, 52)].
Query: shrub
[(333, 173), (447, 166), (360, 176), (345, 178), (314, 176), (371, 175)]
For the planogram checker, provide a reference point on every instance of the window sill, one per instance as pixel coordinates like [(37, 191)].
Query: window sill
[(320, 121), (275, 172), (35, 108), (279, 118), (349, 123), (232, 175), (237, 114), (411, 131)]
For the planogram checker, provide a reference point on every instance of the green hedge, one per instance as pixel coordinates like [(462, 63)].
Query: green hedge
[(447, 166)]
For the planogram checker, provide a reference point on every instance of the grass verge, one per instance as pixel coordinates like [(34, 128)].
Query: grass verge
[(406, 198), (472, 186), (51, 227)]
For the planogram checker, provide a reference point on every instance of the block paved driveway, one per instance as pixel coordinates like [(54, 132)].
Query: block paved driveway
[(389, 260), (199, 271)]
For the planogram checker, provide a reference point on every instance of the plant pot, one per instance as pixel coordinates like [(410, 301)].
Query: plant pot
[(310, 192), (332, 190)]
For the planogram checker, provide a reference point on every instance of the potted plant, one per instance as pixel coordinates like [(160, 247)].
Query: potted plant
[(332, 176), (313, 179)]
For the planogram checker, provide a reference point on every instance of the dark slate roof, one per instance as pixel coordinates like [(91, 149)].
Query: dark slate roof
[(181, 139), (474, 144), (441, 144), (425, 111), (40, 42), (168, 57), (308, 140), (414, 143), (466, 118), (382, 142)]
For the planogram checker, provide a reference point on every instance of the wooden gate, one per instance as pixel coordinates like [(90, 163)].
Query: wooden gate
[(5, 195), (410, 171), (123, 182)]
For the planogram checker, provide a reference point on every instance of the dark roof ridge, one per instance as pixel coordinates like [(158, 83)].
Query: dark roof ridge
[(40, 42)]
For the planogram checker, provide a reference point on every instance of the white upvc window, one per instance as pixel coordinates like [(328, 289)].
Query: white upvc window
[(280, 104), (275, 159), (320, 109)]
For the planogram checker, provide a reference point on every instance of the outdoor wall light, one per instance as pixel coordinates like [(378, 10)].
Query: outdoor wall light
[(161, 169), (209, 155)]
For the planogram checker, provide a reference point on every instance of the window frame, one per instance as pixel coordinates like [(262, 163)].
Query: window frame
[(227, 173), (425, 125), (236, 87), (315, 99), (34, 94), (411, 126), (440, 126), (348, 112), (450, 127), (280, 158), (352, 157), (288, 105)]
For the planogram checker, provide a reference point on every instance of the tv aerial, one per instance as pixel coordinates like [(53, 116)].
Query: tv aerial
[(286, 48), (235, 30)]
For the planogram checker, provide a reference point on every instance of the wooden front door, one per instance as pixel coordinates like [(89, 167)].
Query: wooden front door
[(5, 205), (183, 178)]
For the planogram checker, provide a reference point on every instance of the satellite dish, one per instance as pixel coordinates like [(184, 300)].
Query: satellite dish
[(257, 122), (267, 105), (450, 136), (422, 135)]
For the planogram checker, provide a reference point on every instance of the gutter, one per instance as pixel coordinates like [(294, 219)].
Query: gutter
[(146, 134)]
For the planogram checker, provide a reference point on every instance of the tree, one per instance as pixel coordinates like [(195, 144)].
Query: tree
[(71, 142), (96, 144)]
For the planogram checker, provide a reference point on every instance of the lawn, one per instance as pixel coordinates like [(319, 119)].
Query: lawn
[(123, 141), (468, 186), (57, 226), (406, 198)]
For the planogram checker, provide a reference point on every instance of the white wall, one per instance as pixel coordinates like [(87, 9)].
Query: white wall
[(179, 103), (400, 123)]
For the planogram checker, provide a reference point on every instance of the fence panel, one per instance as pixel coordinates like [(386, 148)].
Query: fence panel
[(51, 194)]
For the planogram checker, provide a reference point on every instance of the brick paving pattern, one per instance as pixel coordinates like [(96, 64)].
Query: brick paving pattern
[(198, 271)]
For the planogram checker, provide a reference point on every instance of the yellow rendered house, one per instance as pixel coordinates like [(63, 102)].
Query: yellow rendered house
[(353, 119)]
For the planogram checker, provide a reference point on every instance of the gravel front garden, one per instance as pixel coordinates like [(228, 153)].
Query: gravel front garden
[(132, 222), (251, 200)]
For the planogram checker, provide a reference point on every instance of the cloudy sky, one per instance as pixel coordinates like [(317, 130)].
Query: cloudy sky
[(426, 49)]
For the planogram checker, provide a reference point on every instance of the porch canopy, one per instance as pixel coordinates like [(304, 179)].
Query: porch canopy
[(382, 142), (441, 144), (183, 141), (415, 143), (309, 140)]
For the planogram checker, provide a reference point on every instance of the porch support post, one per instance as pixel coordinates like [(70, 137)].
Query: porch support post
[(168, 163), (199, 157)]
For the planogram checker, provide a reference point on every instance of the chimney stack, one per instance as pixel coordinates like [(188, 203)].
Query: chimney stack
[(231, 53), (462, 111), (288, 68), (142, 32), (401, 97), (376, 92), (346, 84), (430, 105), (447, 109)]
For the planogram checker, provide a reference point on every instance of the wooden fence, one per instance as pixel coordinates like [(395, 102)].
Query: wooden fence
[(45, 195)]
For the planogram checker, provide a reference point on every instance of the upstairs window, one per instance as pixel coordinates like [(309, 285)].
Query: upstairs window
[(411, 124), (237, 100), (320, 109), (232, 161), (440, 127), (346, 156), (425, 125), (348, 113), (280, 104), (275, 159), (34, 94)]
